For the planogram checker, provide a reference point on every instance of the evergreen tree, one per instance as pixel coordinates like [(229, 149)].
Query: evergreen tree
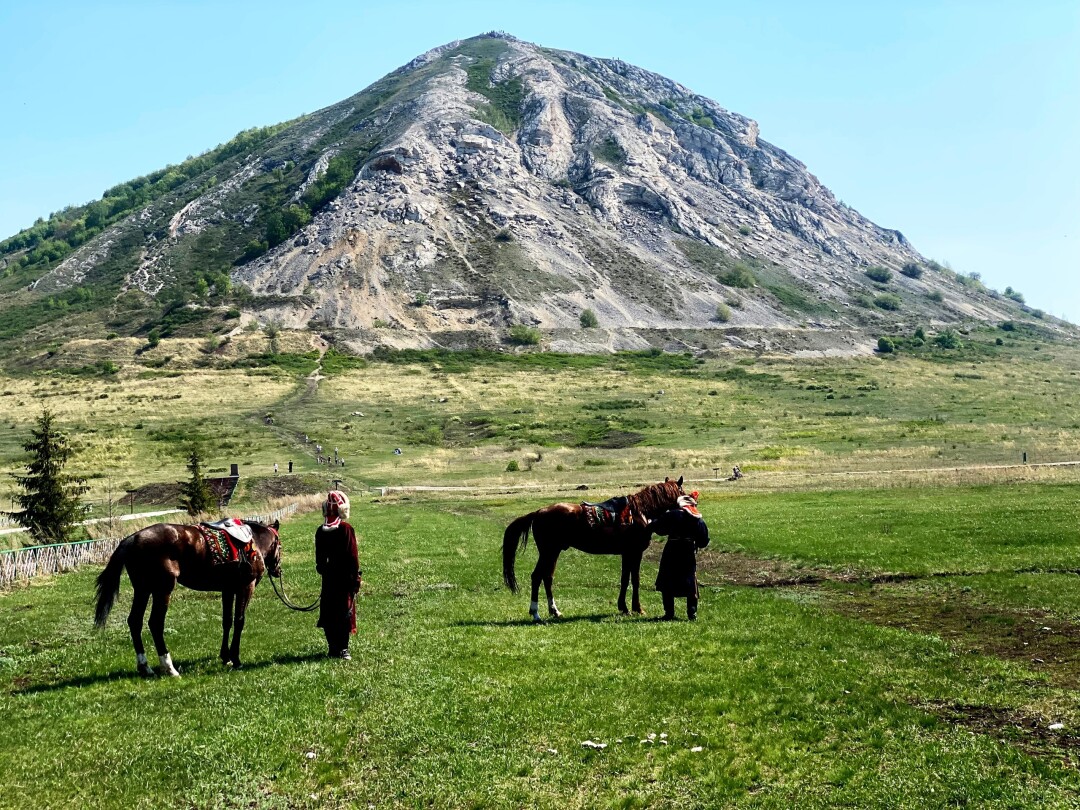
[(50, 498), (196, 494)]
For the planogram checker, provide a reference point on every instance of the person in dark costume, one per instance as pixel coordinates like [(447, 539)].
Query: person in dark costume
[(338, 563), (686, 532)]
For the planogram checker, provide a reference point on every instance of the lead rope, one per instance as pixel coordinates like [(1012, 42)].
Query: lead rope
[(285, 599)]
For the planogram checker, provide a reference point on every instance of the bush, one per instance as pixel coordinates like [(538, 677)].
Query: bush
[(863, 301), (1014, 295), (738, 276), (504, 236), (885, 345), (588, 319), (912, 270), (513, 466), (935, 296), (1007, 326), (888, 301), (948, 339), (524, 335), (879, 274), (745, 230), (723, 313), (920, 333), (999, 342)]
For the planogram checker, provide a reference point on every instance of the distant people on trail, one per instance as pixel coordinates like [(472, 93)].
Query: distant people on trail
[(736, 473), (397, 451), (686, 532), (338, 563), (290, 468), (275, 468)]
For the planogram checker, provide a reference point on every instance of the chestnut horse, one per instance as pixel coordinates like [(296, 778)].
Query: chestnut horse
[(560, 526), (161, 555)]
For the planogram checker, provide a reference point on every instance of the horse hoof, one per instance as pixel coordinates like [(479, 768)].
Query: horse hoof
[(536, 619), (146, 672), (640, 611), (237, 665), (624, 611), (555, 614), (172, 673)]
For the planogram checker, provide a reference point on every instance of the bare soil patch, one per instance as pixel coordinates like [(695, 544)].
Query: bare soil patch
[(1032, 735), (1032, 637), (735, 568)]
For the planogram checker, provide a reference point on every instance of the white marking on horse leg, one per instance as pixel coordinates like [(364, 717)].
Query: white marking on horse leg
[(553, 609), (140, 659), (167, 665), (534, 611)]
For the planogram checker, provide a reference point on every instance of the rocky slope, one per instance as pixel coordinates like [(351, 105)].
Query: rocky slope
[(492, 183)]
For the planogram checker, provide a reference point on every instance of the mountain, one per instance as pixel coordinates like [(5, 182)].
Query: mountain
[(490, 184)]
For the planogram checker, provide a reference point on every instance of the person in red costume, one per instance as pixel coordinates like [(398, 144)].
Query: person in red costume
[(338, 563)]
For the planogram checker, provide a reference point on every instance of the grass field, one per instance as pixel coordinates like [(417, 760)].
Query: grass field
[(891, 609), (818, 695)]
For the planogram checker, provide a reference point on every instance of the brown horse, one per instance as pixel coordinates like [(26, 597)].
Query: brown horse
[(619, 526), (161, 555)]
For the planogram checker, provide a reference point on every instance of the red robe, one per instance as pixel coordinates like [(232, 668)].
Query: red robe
[(338, 563)]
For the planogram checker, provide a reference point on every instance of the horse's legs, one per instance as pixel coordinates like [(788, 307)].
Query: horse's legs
[(635, 580), (624, 584), (549, 574), (226, 623), (157, 627), (135, 623), (537, 578), (242, 599)]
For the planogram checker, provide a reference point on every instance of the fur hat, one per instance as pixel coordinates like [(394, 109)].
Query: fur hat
[(336, 507)]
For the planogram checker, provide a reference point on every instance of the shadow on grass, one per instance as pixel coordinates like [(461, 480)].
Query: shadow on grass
[(195, 667), (595, 618)]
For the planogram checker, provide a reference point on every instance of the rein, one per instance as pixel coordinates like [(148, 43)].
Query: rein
[(279, 586), (285, 599)]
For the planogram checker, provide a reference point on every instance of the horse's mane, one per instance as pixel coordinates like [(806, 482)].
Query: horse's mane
[(655, 498)]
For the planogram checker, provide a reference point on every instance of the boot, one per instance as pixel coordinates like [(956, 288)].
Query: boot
[(669, 607)]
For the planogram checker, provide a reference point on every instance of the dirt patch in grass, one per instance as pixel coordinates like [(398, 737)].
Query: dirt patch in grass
[(1030, 637), (1033, 735), (735, 568), (166, 494)]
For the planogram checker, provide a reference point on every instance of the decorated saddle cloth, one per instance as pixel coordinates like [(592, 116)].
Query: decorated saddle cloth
[(612, 513), (229, 541)]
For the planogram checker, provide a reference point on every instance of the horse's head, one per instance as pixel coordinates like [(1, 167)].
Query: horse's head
[(656, 499), (268, 540), (674, 490)]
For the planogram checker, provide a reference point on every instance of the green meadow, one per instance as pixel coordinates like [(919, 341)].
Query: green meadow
[(890, 609)]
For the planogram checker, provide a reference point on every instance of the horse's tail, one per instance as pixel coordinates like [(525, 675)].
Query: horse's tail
[(518, 530), (108, 581)]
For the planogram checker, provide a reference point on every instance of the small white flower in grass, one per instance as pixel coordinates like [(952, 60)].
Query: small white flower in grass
[(1056, 726), (619, 740), (697, 749), (646, 742), (663, 735), (310, 755), (553, 750), (652, 736), (663, 742), (599, 746)]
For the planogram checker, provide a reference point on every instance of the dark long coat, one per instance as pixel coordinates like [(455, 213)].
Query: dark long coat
[(338, 563), (686, 534)]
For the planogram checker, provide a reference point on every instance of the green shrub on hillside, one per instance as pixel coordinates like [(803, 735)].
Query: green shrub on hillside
[(912, 270), (879, 274), (885, 345), (888, 301), (610, 151), (523, 335), (723, 313), (588, 319)]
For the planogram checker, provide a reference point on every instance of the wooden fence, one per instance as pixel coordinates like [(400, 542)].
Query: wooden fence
[(24, 563)]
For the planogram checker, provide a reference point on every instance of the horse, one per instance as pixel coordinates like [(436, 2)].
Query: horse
[(160, 556), (618, 526)]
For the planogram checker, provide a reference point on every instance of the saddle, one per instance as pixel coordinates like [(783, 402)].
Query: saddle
[(609, 514), (222, 545)]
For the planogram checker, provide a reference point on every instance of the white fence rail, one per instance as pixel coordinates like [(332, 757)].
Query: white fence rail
[(24, 563)]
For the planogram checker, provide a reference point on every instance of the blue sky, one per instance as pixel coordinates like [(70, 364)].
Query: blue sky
[(956, 122)]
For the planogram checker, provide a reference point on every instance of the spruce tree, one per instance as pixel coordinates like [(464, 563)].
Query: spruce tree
[(50, 497), (197, 497)]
